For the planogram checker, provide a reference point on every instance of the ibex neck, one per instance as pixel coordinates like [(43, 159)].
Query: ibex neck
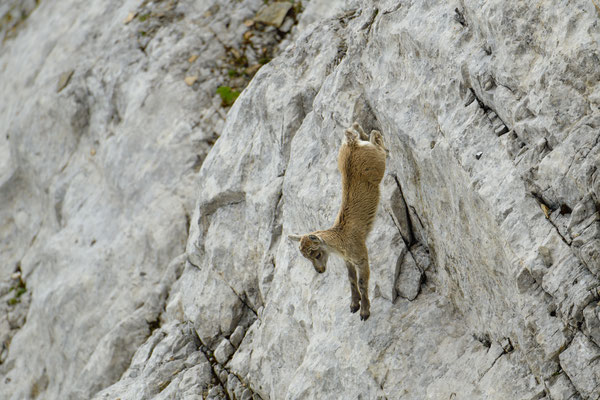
[(333, 238)]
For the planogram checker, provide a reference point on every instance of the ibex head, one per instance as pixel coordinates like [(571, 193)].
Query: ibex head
[(313, 248)]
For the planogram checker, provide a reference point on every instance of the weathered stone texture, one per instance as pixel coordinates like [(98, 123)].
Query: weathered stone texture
[(484, 255)]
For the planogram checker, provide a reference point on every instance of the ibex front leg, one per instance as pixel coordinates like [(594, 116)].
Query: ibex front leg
[(355, 301), (363, 285)]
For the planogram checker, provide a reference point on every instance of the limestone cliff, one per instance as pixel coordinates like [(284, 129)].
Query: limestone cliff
[(141, 261)]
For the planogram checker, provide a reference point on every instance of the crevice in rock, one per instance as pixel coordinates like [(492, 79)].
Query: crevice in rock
[(416, 215), (393, 9), (381, 386), (474, 97), (265, 275), (460, 17), (547, 210), (276, 225), (213, 365), (412, 263), (506, 346), (15, 299), (341, 53), (223, 375), (369, 23), (397, 227), (187, 222), (565, 209), (484, 339), (410, 240), (154, 324), (491, 366), (498, 125)]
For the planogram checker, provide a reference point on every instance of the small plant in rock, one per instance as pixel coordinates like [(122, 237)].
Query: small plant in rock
[(18, 290), (228, 95)]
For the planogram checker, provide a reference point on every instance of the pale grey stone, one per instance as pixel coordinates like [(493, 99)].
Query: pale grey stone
[(223, 351), (216, 393), (592, 322), (587, 245), (581, 362), (274, 13), (525, 281), (223, 376), (237, 336), (561, 388), (234, 387), (582, 211), (162, 367), (100, 182), (480, 229), (408, 283), (287, 25)]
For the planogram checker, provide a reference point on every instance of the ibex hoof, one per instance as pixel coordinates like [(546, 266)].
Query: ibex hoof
[(354, 308), (364, 315)]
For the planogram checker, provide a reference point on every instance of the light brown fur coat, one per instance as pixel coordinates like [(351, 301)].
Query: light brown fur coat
[(361, 162)]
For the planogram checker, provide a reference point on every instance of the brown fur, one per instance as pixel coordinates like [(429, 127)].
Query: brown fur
[(361, 162)]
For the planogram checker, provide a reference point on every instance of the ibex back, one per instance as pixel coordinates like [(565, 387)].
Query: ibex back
[(361, 162)]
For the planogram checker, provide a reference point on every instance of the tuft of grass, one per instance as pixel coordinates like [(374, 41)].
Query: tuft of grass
[(19, 290), (228, 95), (144, 17)]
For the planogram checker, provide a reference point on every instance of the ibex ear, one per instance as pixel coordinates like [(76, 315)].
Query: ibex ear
[(295, 238)]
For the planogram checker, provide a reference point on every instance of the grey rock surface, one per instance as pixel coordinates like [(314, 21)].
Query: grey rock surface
[(223, 351), (101, 140), (237, 336), (495, 227), (156, 265), (168, 365)]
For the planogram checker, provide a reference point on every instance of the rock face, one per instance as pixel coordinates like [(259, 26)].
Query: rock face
[(484, 256)]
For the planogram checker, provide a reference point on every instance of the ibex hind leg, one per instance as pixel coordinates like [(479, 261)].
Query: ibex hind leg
[(355, 299), (351, 136), (377, 139), (361, 132), (363, 286)]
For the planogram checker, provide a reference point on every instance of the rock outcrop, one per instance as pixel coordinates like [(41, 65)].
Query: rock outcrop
[(140, 261)]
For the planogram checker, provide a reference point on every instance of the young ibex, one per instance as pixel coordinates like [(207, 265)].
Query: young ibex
[(361, 162)]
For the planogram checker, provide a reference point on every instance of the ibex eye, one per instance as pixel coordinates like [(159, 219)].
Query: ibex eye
[(318, 256), (312, 237)]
